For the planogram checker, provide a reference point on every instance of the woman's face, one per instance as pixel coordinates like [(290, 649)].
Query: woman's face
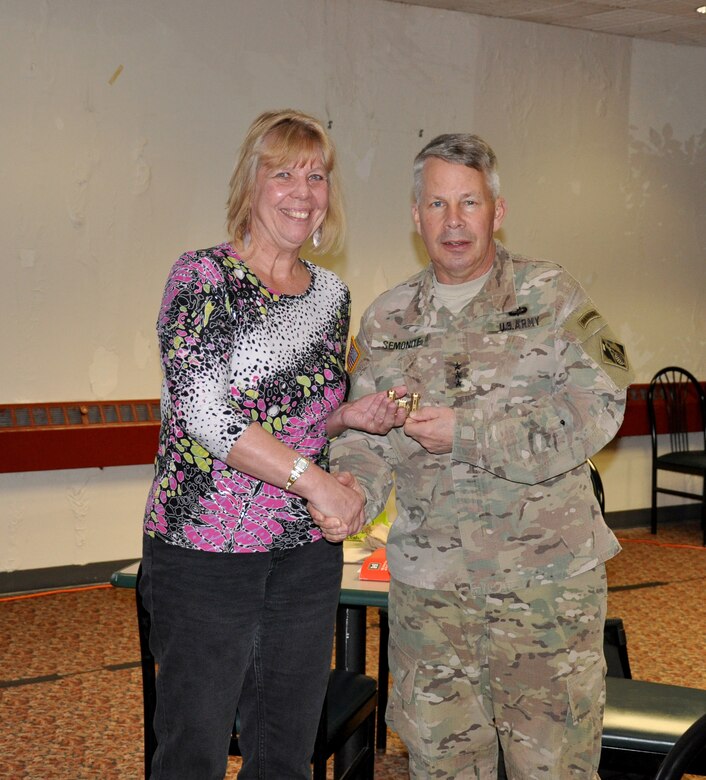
[(289, 203)]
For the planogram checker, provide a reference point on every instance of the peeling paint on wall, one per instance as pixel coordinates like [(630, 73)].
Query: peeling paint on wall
[(103, 372), (144, 349), (364, 165), (27, 258), (79, 507), (142, 173)]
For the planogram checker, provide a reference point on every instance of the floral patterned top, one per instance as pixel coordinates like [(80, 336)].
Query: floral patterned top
[(235, 352)]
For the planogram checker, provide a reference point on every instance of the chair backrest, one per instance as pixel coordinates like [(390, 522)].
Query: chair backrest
[(615, 648), (597, 483), (673, 394), (690, 745)]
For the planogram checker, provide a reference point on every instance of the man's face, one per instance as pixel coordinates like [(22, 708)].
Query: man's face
[(456, 217)]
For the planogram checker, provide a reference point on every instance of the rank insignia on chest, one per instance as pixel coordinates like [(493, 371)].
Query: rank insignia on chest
[(353, 356), (614, 354), (457, 370)]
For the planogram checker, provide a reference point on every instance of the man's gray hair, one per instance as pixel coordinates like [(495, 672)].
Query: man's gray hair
[(462, 149)]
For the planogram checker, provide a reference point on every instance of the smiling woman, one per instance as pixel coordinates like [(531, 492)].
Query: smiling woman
[(238, 569), (277, 142)]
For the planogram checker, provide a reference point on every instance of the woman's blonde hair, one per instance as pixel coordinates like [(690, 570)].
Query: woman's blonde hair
[(276, 138)]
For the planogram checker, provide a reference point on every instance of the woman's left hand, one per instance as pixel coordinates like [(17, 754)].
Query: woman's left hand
[(374, 413)]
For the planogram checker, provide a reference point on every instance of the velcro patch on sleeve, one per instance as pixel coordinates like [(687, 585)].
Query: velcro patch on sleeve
[(353, 356), (585, 322), (598, 341), (614, 354)]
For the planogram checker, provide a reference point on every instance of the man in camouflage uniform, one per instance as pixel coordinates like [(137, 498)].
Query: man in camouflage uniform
[(498, 591)]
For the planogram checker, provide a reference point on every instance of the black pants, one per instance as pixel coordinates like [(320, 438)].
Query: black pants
[(252, 631)]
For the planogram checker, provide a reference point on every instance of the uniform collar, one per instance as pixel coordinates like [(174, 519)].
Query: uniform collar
[(498, 294)]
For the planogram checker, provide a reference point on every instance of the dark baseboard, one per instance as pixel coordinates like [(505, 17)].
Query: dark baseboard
[(53, 577), (635, 518)]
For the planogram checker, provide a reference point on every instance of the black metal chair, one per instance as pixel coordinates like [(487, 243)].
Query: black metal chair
[(644, 721), (615, 648), (349, 707), (673, 396), (687, 748)]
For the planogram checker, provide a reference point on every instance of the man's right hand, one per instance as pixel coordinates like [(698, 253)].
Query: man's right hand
[(432, 427)]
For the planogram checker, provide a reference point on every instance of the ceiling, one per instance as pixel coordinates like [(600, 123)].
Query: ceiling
[(668, 21)]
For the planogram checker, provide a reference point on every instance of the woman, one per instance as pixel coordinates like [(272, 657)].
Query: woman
[(241, 584)]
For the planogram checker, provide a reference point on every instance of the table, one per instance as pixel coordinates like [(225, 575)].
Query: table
[(351, 625)]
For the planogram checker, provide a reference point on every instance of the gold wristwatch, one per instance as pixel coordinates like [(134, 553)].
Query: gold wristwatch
[(301, 464)]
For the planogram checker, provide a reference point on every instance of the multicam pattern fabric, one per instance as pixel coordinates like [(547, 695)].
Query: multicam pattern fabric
[(234, 353), (523, 367), (528, 666)]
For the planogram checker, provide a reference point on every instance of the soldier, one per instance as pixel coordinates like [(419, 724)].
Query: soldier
[(497, 555)]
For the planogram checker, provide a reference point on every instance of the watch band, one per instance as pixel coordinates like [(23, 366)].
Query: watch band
[(301, 464)]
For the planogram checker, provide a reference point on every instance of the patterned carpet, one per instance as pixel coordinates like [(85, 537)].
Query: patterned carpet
[(70, 691)]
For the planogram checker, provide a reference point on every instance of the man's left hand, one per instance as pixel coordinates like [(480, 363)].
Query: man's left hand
[(433, 427)]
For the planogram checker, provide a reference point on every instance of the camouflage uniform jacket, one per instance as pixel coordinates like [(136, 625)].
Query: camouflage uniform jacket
[(537, 381)]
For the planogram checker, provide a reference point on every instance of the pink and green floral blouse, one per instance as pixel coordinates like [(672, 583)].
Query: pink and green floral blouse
[(235, 353)]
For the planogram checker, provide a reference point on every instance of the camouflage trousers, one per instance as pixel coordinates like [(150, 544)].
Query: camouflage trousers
[(523, 669)]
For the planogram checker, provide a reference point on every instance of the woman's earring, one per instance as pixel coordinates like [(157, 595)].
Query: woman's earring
[(246, 239), (316, 238)]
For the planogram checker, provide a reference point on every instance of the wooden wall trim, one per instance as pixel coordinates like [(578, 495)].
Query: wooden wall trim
[(76, 435), (89, 434), (636, 421)]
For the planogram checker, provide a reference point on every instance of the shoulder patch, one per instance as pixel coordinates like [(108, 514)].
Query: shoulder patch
[(588, 328), (586, 318), (353, 356), (585, 323), (614, 354)]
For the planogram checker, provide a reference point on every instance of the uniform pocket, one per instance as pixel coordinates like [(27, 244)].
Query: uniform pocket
[(434, 710), (586, 693), (403, 669)]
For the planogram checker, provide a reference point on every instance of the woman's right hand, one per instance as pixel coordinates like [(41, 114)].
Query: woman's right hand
[(339, 510)]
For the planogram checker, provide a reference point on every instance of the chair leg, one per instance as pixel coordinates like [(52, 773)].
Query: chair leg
[(703, 511), (369, 766), (653, 513), (383, 681), (319, 768)]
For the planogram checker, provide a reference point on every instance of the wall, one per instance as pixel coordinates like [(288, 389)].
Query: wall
[(125, 120)]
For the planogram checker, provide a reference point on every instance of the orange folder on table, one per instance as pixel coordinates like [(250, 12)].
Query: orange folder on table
[(375, 566)]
